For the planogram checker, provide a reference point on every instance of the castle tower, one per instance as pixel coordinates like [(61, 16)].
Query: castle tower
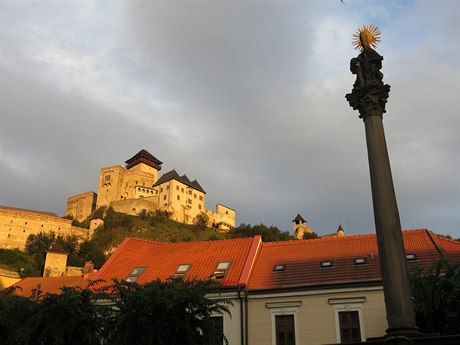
[(130, 182), (56, 261), (300, 227)]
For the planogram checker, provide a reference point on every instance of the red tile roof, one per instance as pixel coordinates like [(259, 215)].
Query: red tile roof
[(303, 257), (162, 259), (48, 284)]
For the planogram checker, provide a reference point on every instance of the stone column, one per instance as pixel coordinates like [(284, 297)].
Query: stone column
[(369, 96)]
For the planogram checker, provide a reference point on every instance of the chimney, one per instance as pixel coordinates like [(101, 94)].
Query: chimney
[(88, 271)]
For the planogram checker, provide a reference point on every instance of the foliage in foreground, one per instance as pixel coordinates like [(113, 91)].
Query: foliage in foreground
[(436, 295), (172, 312), (269, 234)]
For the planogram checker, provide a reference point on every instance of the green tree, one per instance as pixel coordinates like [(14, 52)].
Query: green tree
[(71, 317), (15, 312), (309, 235), (436, 295), (269, 234), (90, 251), (201, 221), (175, 312)]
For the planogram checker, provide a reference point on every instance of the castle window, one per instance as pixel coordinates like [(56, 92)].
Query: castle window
[(194, 195), (107, 177), (199, 206), (182, 190), (189, 201), (177, 187), (201, 198), (178, 197), (221, 270), (167, 187), (190, 191), (226, 212), (135, 273), (161, 189), (164, 198)]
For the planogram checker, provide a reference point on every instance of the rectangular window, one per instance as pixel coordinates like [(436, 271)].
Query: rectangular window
[(178, 197), (161, 189), (167, 187), (201, 198), (107, 177), (181, 270), (285, 333), (349, 327), (194, 195), (199, 206), (221, 270), (189, 201), (218, 325), (135, 273), (164, 198), (182, 190), (177, 187)]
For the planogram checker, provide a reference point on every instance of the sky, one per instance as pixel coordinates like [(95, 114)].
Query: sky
[(247, 97)]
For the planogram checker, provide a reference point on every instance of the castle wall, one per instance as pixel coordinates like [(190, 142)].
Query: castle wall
[(81, 205), (17, 224), (134, 206), (223, 218), (117, 183)]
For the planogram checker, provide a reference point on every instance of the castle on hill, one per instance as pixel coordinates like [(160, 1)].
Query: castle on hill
[(137, 187)]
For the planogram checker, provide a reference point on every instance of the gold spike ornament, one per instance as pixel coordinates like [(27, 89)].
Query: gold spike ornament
[(367, 36)]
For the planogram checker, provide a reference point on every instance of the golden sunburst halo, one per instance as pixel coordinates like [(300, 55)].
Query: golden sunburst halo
[(367, 36)]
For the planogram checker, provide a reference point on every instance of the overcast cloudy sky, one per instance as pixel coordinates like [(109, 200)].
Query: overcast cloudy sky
[(246, 97)]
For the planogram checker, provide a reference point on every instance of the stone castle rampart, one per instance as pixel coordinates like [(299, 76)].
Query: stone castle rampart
[(17, 224)]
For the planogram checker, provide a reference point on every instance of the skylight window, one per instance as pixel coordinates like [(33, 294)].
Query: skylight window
[(326, 264), (279, 268), (182, 270), (221, 270), (359, 261), (135, 273), (411, 257)]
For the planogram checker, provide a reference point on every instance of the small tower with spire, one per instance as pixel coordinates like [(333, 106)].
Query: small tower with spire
[(300, 227), (340, 231)]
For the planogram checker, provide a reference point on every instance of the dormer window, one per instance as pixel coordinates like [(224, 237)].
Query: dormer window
[(221, 270), (182, 270), (279, 268), (411, 257), (326, 264), (359, 261), (135, 273)]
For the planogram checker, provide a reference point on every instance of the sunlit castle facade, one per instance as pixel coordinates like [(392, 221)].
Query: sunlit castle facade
[(137, 187)]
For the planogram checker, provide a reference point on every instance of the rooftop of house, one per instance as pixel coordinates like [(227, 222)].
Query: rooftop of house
[(259, 266), (173, 175), (27, 286), (339, 260), (143, 261)]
